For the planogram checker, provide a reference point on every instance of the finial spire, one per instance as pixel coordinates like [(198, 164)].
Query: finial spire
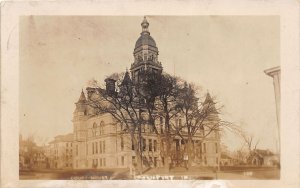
[(145, 26), (208, 97), (82, 97)]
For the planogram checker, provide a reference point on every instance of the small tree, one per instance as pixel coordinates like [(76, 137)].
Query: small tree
[(248, 140)]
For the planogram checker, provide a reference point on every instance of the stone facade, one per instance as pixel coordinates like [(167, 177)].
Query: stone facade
[(60, 152)]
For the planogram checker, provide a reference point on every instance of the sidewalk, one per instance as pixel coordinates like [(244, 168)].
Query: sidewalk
[(196, 173)]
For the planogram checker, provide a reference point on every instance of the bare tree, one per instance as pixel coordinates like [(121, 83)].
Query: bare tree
[(199, 118), (128, 103), (248, 140), (166, 108)]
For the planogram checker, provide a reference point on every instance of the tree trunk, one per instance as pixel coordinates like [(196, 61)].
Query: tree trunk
[(168, 142), (189, 151), (137, 148)]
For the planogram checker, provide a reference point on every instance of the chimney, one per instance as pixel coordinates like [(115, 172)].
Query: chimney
[(110, 85)]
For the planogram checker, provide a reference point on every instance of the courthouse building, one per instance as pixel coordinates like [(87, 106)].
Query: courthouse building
[(100, 143)]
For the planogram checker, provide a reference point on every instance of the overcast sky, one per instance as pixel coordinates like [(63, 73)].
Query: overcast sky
[(225, 55)]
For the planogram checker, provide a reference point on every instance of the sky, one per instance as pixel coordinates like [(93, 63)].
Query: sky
[(225, 55)]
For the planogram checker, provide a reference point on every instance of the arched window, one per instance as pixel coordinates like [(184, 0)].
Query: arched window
[(94, 129), (102, 127), (94, 125)]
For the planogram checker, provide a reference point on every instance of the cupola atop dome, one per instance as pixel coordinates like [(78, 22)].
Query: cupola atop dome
[(145, 26)]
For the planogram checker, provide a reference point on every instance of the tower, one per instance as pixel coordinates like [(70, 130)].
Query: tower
[(145, 54), (79, 115), (211, 124)]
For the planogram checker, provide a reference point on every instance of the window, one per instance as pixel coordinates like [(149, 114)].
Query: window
[(204, 147), (161, 121), (197, 152), (96, 147), (144, 144), (132, 145), (161, 129), (133, 160), (100, 145), (93, 148), (122, 144), (103, 149), (95, 162), (200, 151), (217, 160), (205, 160), (143, 128), (76, 150), (94, 125), (155, 146), (216, 145), (101, 127), (151, 129), (104, 162), (122, 160), (150, 145), (155, 161), (100, 161)]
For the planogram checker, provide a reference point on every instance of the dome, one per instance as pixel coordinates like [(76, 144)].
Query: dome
[(145, 39)]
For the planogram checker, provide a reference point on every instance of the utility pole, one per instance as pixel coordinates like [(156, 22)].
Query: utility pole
[(140, 140)]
